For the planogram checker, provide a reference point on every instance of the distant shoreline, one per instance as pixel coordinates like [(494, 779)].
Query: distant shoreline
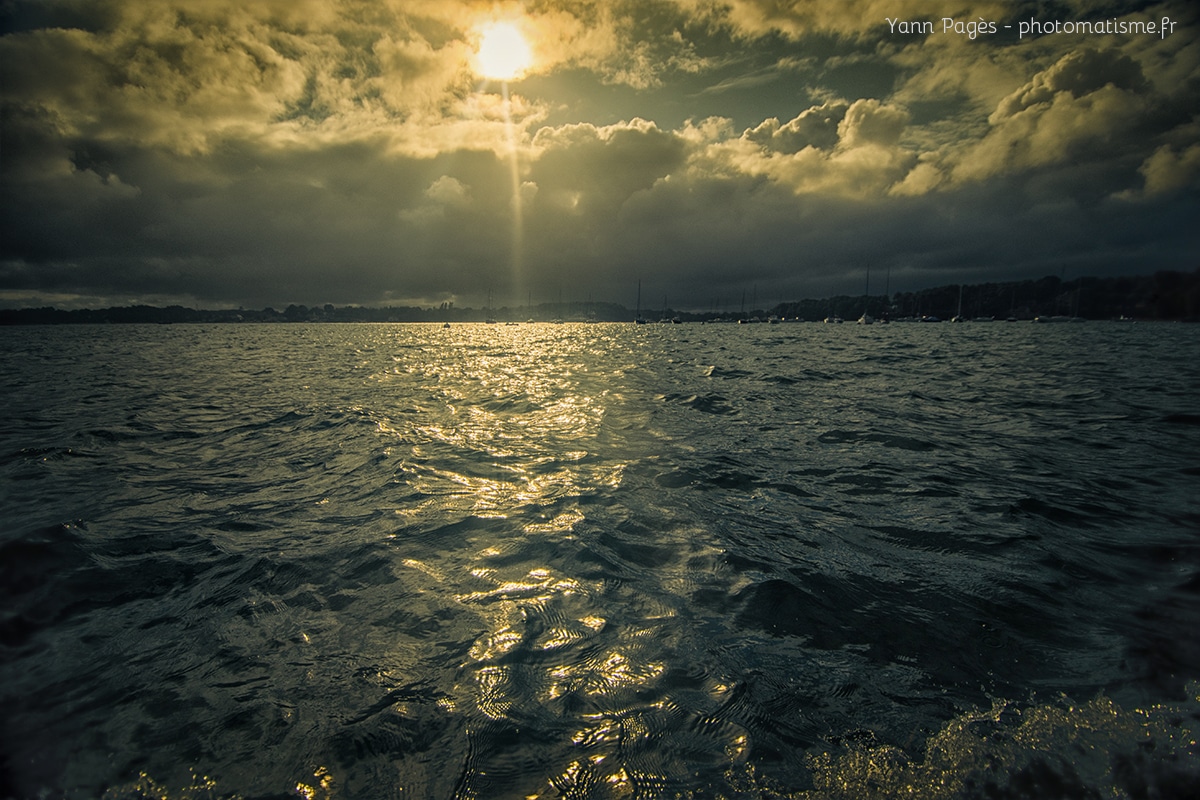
[(1163, 296)]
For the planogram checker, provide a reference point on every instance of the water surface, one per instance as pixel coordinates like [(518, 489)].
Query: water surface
[(600, 560)]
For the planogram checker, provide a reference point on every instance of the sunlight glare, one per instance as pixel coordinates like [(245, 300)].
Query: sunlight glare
[(503, 53)]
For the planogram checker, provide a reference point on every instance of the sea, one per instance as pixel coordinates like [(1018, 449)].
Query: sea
[(600, 561)]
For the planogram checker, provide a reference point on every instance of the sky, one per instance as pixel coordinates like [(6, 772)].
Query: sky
[(252, 153)]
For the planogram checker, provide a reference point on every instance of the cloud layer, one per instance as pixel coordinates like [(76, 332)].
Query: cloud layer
[(254, 153)]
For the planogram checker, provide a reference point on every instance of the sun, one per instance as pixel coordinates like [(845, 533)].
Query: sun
[(503, 53)]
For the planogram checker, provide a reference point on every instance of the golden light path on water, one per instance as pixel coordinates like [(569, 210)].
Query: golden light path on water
[(547, 640)]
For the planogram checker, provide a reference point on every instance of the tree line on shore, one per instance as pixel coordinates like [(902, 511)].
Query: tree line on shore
[(1164, 295)]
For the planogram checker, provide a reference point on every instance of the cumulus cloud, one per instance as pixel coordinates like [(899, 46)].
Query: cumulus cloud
[(1077, 73), (1086, 99), (839, 148), (924, 177), (447, 191), (603, 165), (868, 122), (1169, 170), (817, 127), (186, 77)]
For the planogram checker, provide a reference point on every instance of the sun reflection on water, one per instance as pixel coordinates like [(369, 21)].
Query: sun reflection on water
[(498, 429), (518, 431)]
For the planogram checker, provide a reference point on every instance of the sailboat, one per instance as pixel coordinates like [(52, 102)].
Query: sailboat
[(958, 317), (866, 319), (833, 318), (1075, 314), (664, 319), (887, 297), (639, 320), (489, 318)]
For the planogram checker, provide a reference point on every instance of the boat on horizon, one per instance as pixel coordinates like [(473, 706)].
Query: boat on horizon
[(1055, 318), (958, 317), (866, 319), (489, 318)]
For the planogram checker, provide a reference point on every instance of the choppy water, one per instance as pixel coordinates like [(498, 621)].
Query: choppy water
[(390, 561)]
